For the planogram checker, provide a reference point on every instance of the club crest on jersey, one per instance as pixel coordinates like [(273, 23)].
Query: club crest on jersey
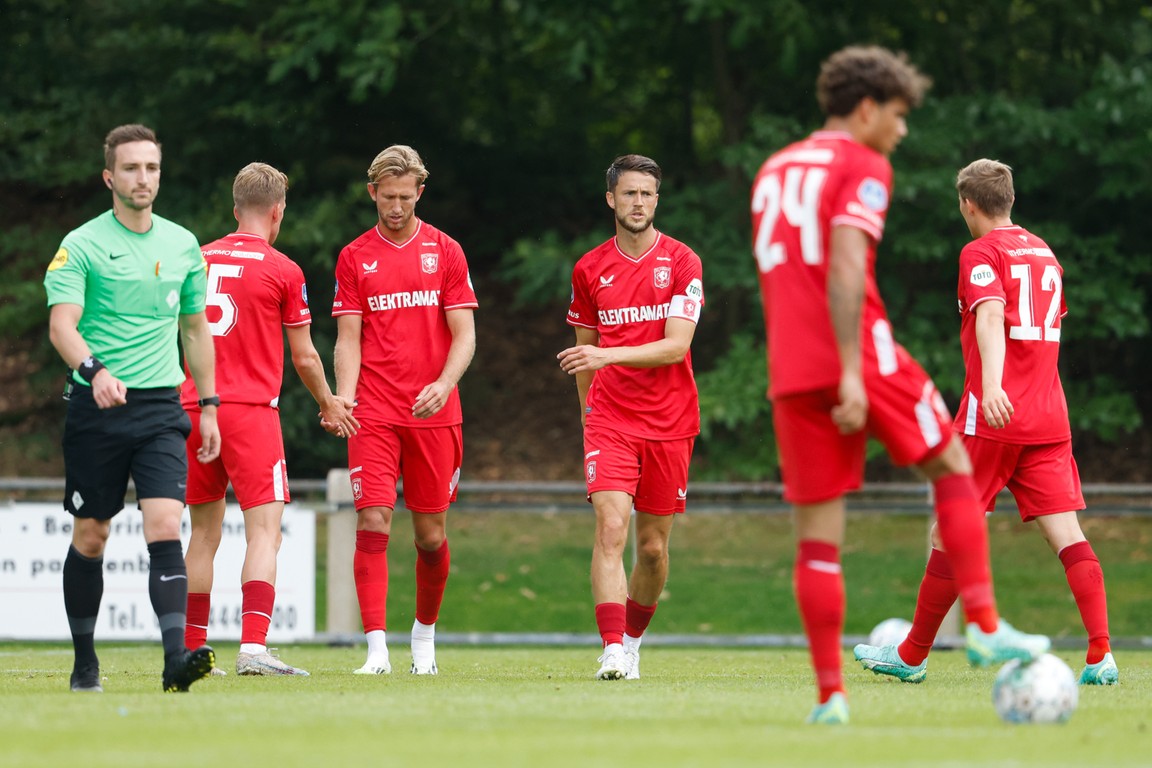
[(662, 276), (590, 471), (429, 262)]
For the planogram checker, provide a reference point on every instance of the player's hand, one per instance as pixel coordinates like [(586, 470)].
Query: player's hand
[(209, 449), (583, 358), (851, 413), (431, 399), (107, 390), (336, 417), (997, 408)]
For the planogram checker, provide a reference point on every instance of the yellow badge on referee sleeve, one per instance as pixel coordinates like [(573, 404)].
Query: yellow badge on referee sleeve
[(59, 260)]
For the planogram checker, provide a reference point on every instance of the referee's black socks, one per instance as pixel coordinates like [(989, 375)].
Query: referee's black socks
[(168, 589), (83, 587)]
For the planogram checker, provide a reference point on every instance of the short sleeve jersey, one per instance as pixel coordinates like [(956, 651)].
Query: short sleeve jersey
[(253, 291), (800, 194), (133, 288), (628, 302), (1018, 269), (402, 292)]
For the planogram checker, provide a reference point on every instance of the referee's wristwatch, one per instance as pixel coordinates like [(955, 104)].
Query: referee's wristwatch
[(214, 400)]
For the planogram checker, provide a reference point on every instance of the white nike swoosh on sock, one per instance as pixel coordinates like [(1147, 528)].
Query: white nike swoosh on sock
[(172, 578)]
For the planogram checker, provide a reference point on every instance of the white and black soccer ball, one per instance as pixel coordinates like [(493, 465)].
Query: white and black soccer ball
[(1043, 691), (889, 632)]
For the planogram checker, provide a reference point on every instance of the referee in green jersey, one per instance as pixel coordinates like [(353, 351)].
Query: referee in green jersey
[(119, 288)]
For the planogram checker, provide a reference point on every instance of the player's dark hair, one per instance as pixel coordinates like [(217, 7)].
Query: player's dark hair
[(988, 185), (124, 134), (637, 163), (853, 74)]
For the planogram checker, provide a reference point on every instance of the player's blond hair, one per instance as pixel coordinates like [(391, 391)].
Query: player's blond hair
[(397, 160), (855, 73), (258, 187), (125, 134), (988, 185)]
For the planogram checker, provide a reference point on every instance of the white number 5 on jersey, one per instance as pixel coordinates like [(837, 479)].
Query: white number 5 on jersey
[(218, 297)]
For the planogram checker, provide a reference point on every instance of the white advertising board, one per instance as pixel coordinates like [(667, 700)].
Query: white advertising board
[(34, 540)]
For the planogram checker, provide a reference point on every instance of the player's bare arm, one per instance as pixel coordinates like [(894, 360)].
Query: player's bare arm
[(434, 396), (990, 341), (584, 337), (63, 330), (847, 257), (669, 350), (200, 354), (335, 412), (346, 355)]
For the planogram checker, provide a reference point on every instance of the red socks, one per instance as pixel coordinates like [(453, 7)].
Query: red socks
[(196, 619), (819, 586), (965, 536), (610, 621), (935, 599), (256, 611), (431, 577), (637, 617), (1086, 579), (370, 568)]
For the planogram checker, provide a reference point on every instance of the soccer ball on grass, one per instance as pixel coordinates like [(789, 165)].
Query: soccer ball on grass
[(1043, 691), (889, 632)]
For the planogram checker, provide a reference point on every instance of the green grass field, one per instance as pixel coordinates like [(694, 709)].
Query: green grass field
[(731, 574), (541, 707)]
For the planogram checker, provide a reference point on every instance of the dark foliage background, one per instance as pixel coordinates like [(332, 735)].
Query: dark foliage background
[(517, 106)]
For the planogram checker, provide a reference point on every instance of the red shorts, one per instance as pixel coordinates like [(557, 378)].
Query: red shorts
[(1043, 479), (251, 457), (905, 413), (653, 472), (428, 460)]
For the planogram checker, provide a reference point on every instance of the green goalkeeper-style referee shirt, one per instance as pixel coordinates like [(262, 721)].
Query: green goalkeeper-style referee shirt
[(133, 288)]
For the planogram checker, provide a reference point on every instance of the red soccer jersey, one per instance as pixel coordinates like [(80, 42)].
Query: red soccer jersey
[(402, 292), (1013, 266), (628, 301), (800, 194), (253, 290)]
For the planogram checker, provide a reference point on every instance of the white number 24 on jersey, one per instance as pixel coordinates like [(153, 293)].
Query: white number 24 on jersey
[(218, 297), (797, 198)]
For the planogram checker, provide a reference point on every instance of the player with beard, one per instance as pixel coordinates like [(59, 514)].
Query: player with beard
[(636, 301)]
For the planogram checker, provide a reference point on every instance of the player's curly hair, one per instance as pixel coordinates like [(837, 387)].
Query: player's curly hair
[(258, 186), (987, 184), (637, 163), (124, 134), (853, 74), (397, 160)]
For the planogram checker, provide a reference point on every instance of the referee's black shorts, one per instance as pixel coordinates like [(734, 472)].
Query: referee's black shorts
[(102, 447)]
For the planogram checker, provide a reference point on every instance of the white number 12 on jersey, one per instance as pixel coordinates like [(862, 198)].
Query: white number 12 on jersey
[(797, 199), (1049, 281), (217, 297)]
